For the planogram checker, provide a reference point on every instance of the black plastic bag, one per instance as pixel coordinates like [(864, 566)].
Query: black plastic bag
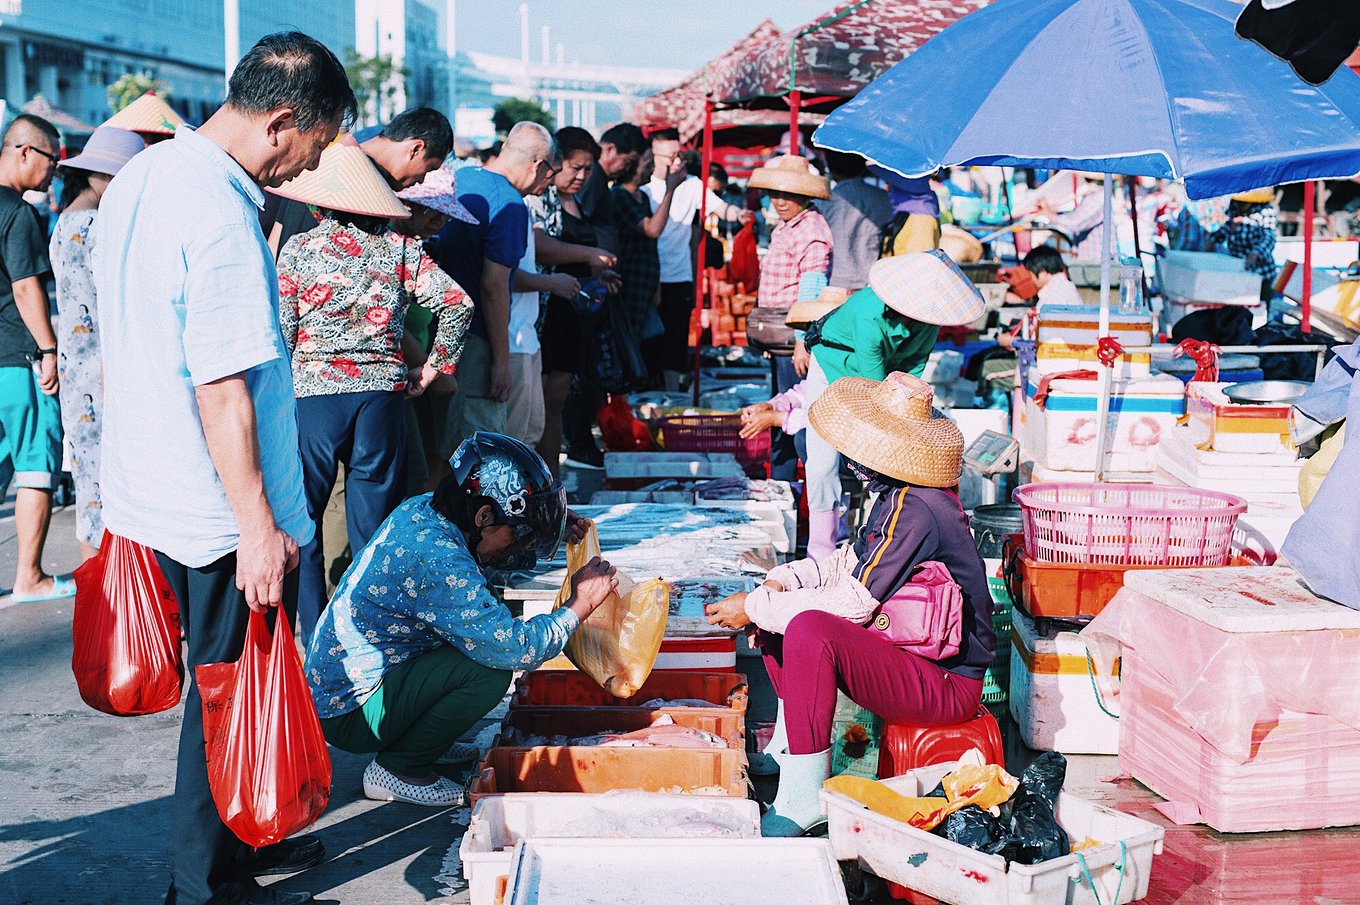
[(1034, 834), (973, 827), (617, 362), (1287, 365)]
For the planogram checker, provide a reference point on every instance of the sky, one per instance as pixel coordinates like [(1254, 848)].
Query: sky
[(680, 35)]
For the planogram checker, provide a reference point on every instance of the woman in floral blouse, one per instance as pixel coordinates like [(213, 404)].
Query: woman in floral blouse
[(85, 177), (344, 288)]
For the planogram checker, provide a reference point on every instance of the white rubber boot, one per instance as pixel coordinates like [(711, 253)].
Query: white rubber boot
[(796, 808), (766, 761)]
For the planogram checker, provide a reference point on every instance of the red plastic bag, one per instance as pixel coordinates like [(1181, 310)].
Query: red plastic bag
[(126, 655), (744, 268), (268, 766)]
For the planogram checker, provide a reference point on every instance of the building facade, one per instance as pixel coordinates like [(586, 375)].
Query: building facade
[(70, 51)]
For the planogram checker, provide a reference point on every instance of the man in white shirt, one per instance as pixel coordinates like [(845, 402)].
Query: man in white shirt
[(1050, 275), (200, 445), (673, 247)]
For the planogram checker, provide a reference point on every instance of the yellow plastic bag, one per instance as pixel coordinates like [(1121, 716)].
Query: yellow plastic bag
[(973, 782), (924, 813), (1317, 466), (618, 644)]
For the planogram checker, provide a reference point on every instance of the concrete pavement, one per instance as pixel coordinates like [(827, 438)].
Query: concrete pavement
[(85, 797)]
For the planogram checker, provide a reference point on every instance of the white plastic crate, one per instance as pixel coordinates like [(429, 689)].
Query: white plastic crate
[(1202, 276), (675, 872), (500, 823), (932, 865)]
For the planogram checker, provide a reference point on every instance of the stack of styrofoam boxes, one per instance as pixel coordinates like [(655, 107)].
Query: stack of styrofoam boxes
[(1244, 450), (1197, 280), (1053, 697), (1058, 440), (771, 503), (1235, 697)]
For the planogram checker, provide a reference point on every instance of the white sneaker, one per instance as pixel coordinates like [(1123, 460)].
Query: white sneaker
[(460, 753), (381, 784)]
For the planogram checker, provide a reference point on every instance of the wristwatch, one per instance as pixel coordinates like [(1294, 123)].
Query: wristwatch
[(51, 351)]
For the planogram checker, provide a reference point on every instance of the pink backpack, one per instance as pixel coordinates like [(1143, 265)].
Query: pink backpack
[(925, 616)]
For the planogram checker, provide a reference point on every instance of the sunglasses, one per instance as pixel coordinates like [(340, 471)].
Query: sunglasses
[(50, 156)]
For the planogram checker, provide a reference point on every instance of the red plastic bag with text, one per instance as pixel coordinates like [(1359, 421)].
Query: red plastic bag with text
[(126, 652), (268, 766)]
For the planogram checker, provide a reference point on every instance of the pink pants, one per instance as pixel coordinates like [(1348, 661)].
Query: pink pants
[(820, 653)]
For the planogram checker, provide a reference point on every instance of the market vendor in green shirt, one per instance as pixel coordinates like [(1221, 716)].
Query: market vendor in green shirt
[(891, 325)]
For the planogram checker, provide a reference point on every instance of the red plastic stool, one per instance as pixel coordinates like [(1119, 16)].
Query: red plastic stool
[(905, 747)]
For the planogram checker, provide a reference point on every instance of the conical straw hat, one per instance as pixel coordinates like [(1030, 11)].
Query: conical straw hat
[(345, 180), (803, 313), (888, 428), (791, 174), (147, 113)]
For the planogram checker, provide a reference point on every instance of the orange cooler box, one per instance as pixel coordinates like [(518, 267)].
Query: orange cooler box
[(560, 688), (1226, 426), (576, 722), (683, 770)]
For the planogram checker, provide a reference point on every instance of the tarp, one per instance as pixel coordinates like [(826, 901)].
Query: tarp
[(682, 107), (837, 54)]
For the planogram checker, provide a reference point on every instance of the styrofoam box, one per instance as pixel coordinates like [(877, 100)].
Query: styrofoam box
[(1063, 433), (1052, 696), (1302, 774), (674, 872), (500, 823), (778, 518), (1035, 473), (929, 864), (1079, 325), (1199, 276), (1176, 309), (1235, 428), (1244, 474), (680, 465)]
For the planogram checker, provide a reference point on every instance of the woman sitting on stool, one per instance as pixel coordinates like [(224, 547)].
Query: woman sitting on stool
[(810, 618), (414, 649)]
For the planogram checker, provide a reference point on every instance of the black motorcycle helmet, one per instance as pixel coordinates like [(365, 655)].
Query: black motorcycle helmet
[(492, 469)]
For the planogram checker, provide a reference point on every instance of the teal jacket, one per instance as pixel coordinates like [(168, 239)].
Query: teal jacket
[(865, 338)]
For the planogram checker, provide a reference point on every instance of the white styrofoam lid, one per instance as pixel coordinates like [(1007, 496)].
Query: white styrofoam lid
[(675, 872), (1090, 312), (1152, 385), (1247, 600)]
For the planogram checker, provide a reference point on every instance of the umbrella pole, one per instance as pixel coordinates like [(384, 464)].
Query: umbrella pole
[(707, 163), (1106, 373), (1306, 301), (795, 103)]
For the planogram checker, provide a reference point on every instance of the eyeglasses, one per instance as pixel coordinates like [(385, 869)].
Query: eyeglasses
[(50, 156)]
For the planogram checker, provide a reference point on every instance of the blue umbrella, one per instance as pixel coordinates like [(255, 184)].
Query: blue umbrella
[(1140, 87)]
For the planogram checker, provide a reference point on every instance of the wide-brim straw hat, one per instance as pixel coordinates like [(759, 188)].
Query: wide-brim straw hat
[(106, 151), (928, 287), (803, 313), (887, 427), (439, 192), (791, 174), (148, 114), (1256, 196), (345, 180)]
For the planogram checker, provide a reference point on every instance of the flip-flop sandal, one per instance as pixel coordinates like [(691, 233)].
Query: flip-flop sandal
[(61, 589)]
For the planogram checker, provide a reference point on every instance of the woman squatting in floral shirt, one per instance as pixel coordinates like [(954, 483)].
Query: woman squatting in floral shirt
[(344, 288)]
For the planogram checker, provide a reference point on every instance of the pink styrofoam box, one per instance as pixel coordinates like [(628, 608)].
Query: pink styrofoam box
[(1302, 773), (1239, 647)]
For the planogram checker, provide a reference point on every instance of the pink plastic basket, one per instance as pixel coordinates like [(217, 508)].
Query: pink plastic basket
[(1128, 524), (720, 434)]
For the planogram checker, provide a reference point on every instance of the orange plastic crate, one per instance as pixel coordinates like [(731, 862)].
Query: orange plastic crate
[(573, 689), (593, 770), (549, 721)]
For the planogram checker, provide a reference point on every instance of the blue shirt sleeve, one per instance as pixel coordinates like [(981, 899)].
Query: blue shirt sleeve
[(507, 233), (462, 610)]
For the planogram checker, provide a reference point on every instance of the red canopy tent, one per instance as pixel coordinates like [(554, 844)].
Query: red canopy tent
[(682, 107), (826, 62)]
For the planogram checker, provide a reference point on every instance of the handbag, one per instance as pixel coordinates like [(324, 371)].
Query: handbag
[(767, 332), (925, 615)]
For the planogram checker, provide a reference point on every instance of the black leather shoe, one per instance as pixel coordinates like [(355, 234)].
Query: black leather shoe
[(286, 857), (269, 896)]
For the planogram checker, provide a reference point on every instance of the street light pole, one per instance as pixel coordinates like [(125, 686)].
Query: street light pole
[(231, 28)]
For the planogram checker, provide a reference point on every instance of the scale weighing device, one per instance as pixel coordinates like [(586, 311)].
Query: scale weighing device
[(992, 455)]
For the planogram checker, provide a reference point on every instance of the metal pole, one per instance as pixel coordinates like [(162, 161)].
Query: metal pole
[(1106, 374), (231, 30), (1306, 302), (707, 163)]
